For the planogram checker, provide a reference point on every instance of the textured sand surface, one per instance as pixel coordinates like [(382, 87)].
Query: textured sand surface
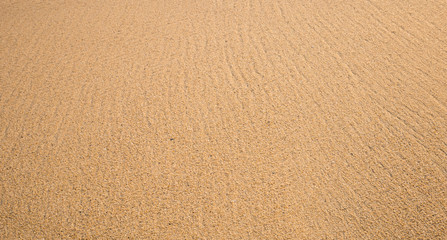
[(223, 119)]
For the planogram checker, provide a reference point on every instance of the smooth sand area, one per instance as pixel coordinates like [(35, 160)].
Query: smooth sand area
[(223, 119)]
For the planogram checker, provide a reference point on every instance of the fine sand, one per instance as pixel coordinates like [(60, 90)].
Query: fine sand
[(223, 119)]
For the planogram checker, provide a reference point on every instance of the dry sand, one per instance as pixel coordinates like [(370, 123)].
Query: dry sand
[(223, 119)]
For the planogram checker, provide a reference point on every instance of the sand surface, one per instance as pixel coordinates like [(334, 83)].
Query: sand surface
[(223, 119)]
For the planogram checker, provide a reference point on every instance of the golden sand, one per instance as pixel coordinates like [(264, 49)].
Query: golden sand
[(223, 119)]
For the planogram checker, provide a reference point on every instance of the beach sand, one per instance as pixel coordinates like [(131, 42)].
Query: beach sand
[(223, 119)]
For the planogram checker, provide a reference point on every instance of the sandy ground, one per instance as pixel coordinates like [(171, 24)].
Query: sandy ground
[(223, 119)]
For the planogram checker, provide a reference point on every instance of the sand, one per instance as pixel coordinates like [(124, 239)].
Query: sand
[(223, 119)]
